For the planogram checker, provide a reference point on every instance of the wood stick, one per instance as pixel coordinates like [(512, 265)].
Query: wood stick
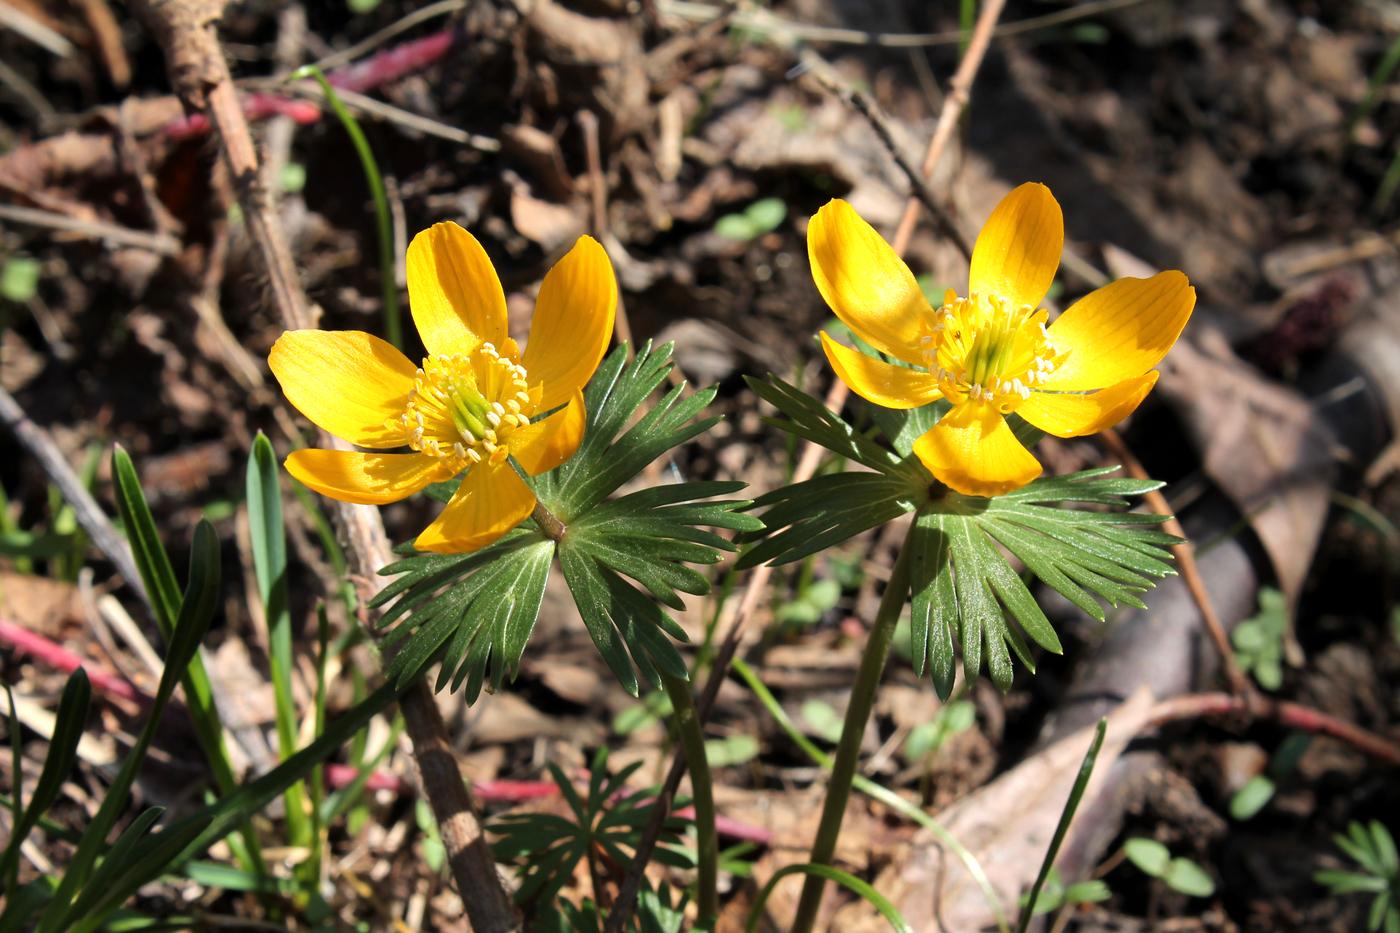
[(199, 72)]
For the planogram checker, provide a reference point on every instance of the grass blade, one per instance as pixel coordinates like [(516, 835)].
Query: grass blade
[(1076, 794), (196, 611), (268, 540)]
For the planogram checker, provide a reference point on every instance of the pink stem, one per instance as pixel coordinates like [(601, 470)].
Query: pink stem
[(377, 70), (55, 655)]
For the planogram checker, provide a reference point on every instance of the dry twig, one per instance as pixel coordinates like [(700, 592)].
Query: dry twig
[(1186, 560), (199, 72)]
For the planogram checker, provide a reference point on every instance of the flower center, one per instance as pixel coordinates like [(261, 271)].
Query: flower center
[(982, 348), (465, 406)]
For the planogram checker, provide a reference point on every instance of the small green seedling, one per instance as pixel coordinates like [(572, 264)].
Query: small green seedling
[(1260, 789), (760, 217), (927, 738), (1057, 894), (810, 603), (19, 278), (1372, 848), (1259, 640), (1179, 874)]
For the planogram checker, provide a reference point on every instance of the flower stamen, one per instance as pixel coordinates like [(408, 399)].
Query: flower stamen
[(465, 406), (984, 349)]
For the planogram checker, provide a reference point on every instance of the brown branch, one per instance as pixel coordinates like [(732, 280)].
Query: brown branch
[(598, 203), (89, 514), (861, 103), (959, 94), (185, 30), (1185, 555), (1292, 715)]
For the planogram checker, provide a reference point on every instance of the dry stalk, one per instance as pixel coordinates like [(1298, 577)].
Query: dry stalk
[(199, 72)]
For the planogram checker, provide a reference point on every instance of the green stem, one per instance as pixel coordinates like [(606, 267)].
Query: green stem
[(843, 769), (392, 328), (687, 722)]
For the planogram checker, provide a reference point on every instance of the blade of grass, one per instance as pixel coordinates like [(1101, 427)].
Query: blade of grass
[(174, 844), (197, 610), (872, 896), (163, 591), (268, 541), (392, 325), (312, 874), (69, 723), (1076, 794)]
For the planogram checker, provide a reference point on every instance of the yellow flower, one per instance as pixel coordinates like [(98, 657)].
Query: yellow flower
[(990, 353), (472, 403)]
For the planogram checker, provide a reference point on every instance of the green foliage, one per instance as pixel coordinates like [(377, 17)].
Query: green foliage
[(196, 611), (476, 612), (68, 727), (1057, 894), (964, 591), (268, 543), (657, 911), (811, 601), (1372, 848), (736, 749), (760, 217), (1180, 874), (605, 824), (19, 278), (822, 719), (1256, 793), (848, 881), (1258, 640), (163, 593), (1076, 794), (928, 737)]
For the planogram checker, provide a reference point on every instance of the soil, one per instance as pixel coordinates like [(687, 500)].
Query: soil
[(1238, 141)]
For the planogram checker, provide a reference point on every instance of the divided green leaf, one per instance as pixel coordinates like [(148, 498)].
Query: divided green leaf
[(605, 823), (475, 612), (1071, 532)]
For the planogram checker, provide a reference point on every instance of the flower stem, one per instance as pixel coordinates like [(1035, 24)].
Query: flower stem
[(687, 722), (549, 523), (843, 769)]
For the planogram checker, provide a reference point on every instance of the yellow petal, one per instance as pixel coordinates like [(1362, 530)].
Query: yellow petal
[(877, 381), (573, 322), (1019, 248), (542, 445), (492, 500), (865, 282), (1120, 331), (1070, 415), (372, 479), (973, 450), (347, 382), (453, 291)]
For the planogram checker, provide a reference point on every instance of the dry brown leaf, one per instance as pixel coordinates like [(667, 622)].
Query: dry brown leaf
[(1007, 825)]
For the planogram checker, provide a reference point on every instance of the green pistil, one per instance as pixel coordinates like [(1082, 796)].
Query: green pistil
[(469, 410)]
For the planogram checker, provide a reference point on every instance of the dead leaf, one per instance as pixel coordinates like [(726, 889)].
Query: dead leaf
[(1007, 825)]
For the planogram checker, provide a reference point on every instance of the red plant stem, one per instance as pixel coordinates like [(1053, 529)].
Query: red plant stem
[(338, 776), (55, 655), (255, 107), (375, 71), (1292, 715), (52, 654), (393, 63)]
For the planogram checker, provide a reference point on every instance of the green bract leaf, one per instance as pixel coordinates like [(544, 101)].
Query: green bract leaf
[(964, 588), (606, 823), (475, 612)]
